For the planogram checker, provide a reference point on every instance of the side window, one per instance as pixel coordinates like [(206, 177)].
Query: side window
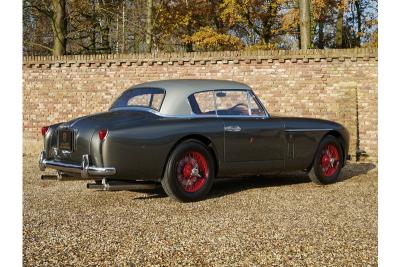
[(202, 103), (232, 103), (225, 102), (156, 101), (140, 97), (255, 109), (147, 100), (140, 100)]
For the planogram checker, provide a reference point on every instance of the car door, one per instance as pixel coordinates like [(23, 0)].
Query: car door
[(252, 138)]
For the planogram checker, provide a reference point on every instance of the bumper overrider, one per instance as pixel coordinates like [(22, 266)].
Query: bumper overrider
[(83, 169)]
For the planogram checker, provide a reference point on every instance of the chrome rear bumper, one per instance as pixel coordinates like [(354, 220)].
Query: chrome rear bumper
[(83, 169)]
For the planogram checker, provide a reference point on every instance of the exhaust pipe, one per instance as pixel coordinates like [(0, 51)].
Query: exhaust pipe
[(58, 177), (48, 177)]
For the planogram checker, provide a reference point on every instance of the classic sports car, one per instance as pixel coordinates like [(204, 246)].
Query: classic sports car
[(187, 133)]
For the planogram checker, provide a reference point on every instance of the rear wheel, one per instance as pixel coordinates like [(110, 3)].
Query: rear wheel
[(189, 173), (328, 161)]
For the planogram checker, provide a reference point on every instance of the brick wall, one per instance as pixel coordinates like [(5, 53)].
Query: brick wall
[(314, 83)]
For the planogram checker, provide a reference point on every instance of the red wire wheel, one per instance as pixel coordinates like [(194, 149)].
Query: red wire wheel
[(192, 171), (330, 160)]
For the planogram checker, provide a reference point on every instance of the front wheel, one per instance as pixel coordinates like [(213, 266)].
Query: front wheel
[(328, 161), (189, 173)]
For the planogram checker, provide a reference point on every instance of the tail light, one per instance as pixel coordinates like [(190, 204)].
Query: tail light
[(44, 130), (103, 134)]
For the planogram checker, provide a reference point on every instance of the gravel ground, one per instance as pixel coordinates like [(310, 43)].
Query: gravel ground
[(277, 220)]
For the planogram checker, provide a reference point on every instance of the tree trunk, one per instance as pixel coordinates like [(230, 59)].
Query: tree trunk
[(320, 35), (359, 11), (104, 23), (94, 29), (189, 47), (105, 39), (298, 36), (149, 26), (305, 22), (93, 48), (123, 27), (59, 25), (339, 28), (265, 39)]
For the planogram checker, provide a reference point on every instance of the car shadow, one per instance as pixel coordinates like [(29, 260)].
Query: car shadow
[(157, 192), (353, 169), (231, 186), (227, 186)]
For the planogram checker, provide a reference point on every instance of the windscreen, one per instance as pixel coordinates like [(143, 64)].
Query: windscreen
[(141, 97)]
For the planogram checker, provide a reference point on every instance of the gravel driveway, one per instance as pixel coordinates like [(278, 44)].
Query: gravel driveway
[(280, 220)]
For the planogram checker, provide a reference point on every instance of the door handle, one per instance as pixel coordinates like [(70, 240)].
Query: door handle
[(235, 128)]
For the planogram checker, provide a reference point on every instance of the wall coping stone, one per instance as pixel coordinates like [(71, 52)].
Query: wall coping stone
[(225, 57)]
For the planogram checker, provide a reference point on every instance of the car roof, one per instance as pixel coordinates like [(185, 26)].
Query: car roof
[(177, 91)]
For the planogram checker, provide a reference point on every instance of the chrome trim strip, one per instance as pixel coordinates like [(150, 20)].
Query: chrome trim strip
[(248, 103), (242, 116), (164, 93), (85, 166), (259, 103), (249, 92), (42, 159), (234, 128), (215, 102), (195, 116), (83, 169), (308, 130)]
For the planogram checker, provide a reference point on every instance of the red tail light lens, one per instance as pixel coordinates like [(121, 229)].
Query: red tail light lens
[(103, 134), (44, 130)]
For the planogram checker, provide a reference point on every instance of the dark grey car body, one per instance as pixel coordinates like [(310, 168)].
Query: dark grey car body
[(140, 140)]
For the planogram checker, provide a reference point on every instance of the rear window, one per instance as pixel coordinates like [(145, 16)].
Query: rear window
[(141, 97)]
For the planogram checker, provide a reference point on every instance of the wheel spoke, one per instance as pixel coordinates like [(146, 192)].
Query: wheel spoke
[(192, 171), (329, 160)]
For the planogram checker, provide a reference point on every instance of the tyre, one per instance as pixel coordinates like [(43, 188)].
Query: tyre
[(328, 161), (189, 173)]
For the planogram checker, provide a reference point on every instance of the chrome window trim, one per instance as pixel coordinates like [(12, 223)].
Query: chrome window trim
[(259, 103), (215, 102), (248, 92), (248, 102), (190, 106), (187, 115), (309, 130), (138, 88), (193, 115)]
